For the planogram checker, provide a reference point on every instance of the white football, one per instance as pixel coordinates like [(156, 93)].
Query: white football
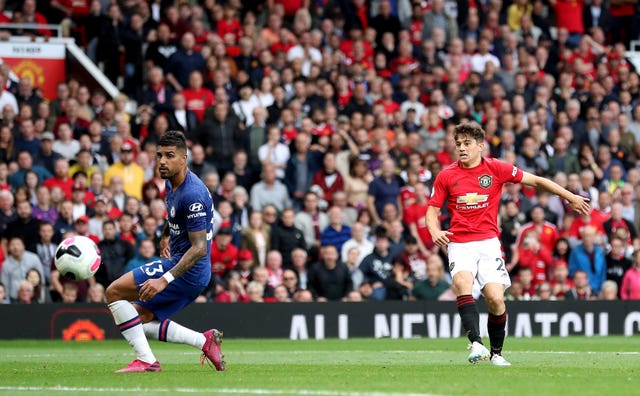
[(77, 258)]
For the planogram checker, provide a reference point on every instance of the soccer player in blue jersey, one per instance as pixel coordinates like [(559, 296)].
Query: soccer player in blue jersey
[(143, 300)]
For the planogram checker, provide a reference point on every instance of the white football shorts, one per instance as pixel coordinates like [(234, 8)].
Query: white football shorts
[(482, 258)]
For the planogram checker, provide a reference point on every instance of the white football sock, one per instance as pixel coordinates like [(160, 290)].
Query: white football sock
[(170, 331), (129, 324)]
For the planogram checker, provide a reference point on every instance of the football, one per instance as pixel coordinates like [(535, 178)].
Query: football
[(77, 258)]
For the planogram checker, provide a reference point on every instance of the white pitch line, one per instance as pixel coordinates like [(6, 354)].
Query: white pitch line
[(306, 392), (511, 352)]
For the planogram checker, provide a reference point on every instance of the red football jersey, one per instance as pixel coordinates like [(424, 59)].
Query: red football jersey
[(472, 196)]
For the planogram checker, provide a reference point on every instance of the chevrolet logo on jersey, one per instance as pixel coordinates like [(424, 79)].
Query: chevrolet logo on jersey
[(472, 198)]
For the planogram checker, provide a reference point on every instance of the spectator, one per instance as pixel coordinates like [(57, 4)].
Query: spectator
[(145, 255), (159, 51), (353, 262), (274, 268), (434, 284), (285, 236), (328, 178), (16, 265), (26, 293), (544, 292), (274, 152), (221, 135), (185, 60), (630, 287), (437, 19), (336, 233), (534, 255), (25, 163), (301, 167), (269, 191), (6, 97), (65, 222), (310, 220), (357, 183), (581, 289), (281, 294), (377, 266), (224, 256), (358, 241), (562, 160), (78, 125), (115, 253), (46, 249), (40, 291), (256, 238), (383, 189), (261, 276), (27, 139), (27, 94), (3, 294), (197, 97), (329, 279), (96, 294), (290, 282), (617, 263), (255, 290), (84, 163), (415, 261), (82, 229), (131, 173), (25, 226), (299, 261), (70, 293), (182, 118), (616, 221), (609, 291), (589, 258)]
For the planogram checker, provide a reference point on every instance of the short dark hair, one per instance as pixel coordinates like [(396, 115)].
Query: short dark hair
[(173, 138), (470, 129)]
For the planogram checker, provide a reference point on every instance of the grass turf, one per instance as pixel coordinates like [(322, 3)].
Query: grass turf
[(382, 367)]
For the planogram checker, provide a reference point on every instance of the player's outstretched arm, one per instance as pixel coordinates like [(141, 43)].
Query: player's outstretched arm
[(440, 238), (578, 203), (198, 250)]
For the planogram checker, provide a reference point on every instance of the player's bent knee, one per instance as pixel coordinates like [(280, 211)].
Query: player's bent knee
[(495, 304), (146, 316), (112, 293)]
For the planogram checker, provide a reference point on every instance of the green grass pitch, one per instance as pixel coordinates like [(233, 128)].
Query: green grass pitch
[(357, 367)]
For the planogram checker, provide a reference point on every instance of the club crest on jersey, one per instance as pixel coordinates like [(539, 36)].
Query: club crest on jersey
[(172, 212), (485, 181)]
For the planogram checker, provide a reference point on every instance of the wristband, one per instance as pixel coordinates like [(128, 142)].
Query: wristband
[(169, 277)]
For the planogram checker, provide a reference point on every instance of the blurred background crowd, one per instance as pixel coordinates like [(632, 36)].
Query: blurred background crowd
[(319, 127)]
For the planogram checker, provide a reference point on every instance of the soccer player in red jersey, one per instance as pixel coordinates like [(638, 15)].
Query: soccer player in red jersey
[(471, 188)]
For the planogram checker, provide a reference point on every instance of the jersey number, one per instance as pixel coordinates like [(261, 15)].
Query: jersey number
[(153, 268), (501, 266), (213, 221)]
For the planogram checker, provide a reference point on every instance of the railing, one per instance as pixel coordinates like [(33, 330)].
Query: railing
[(33, 26)]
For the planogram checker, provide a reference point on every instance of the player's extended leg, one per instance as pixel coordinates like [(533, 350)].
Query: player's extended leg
[(208, 342), (496, 324), (462, 286), (129, 322)]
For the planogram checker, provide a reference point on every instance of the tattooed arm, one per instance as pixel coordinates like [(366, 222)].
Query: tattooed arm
[(197, 251)]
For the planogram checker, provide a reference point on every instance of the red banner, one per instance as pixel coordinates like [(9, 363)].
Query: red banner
[(43, 63)]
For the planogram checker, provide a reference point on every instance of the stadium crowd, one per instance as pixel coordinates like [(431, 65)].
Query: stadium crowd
[(319, 127)]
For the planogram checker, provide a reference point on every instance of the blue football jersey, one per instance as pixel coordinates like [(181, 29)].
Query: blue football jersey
[(191, 209)]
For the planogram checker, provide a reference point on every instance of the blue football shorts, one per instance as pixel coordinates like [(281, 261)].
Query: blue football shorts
[(177, 295)]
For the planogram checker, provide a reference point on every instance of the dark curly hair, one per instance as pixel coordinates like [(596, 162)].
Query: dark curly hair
[(470, 129), (173, 139)]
